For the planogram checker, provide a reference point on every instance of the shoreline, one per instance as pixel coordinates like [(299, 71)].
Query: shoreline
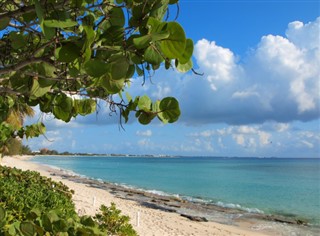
[(172, 215)]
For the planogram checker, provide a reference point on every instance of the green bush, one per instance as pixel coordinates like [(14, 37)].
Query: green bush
[(111, 221), (34, 205)]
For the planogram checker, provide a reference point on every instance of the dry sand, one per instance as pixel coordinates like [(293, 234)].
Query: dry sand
[(146, 221)]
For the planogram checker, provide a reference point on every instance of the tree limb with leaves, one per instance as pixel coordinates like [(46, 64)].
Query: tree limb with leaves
[(65, 55)]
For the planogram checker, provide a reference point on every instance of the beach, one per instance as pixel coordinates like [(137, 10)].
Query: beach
[(150, 214)]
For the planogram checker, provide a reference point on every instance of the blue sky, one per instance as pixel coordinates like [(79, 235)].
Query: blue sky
[(259, 95)]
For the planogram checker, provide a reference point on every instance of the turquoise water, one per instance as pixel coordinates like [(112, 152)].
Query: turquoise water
[(271, 185)]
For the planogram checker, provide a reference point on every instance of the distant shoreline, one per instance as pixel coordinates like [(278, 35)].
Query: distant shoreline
[(158, 156)]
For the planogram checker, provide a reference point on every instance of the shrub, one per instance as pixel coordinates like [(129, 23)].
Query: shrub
[(31, 204)]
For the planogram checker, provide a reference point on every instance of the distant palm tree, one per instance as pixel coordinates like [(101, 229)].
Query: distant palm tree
[(16, 115)]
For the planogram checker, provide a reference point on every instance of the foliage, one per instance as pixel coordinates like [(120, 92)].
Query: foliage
[(14, 147), (25, 150), (34, 205), (65, 55), (111, 221)]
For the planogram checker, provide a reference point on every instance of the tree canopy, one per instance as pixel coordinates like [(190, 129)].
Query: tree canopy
[(65, 55)]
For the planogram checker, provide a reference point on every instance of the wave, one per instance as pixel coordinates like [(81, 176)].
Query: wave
[(159, 192), (238, 206)]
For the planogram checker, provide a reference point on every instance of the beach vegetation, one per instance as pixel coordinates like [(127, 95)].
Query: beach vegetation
[(113, 222), (31, 204), (65, 56)]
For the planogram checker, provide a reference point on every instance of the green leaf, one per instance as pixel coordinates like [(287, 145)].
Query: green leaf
[(51, 23), (184, 67), (152, 55), (173, 1), (146, 117), (118, 67), (112, 86), (96, 68), (160, 10), (187, 54), (35, 130), (175, 44), (142, 42), (27, 229), (47, 32), (170, 110), (67, 52), (4, 22), (160, 36), (17, 40), (37, 90), (84, 106), (62, 107), (90, 37), (87, 221), (145, 103), (2, 214), (116, 17), (46, 69)]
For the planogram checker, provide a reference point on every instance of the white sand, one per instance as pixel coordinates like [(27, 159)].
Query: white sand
[(146, 221)]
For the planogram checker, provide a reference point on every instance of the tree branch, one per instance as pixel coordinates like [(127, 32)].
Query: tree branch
[(20, 11), (20, 65)]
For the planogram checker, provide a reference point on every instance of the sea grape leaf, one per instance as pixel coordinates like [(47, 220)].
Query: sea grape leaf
[(187, 54), (112, 86), (17, 40), (27, 229), (68, 52), (145, 103), (175, 44), (37, 90), (142, 42), (4, 22), (116, 17), (146, 117), (47, 32), (95, 68), (84, 106), (118, 67), (52, 23), (152, 55), (170, 110), (184, 67), (62, 107), (34, 130), (46, 69)]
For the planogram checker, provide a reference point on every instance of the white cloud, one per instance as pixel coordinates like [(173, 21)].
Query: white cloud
[(307, 144), (281, 127), (278, 80), (239, 138), (147, 133)]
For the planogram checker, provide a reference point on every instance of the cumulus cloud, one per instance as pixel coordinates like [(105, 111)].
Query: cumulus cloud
[(278, 80)]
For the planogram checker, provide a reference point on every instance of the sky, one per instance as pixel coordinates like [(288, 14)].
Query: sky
[(259, 95)]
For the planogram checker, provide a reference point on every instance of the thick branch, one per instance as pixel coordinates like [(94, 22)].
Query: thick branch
[(20, 65), (18, 12)]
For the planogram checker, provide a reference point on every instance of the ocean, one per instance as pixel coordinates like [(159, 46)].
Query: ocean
[(280, 186)]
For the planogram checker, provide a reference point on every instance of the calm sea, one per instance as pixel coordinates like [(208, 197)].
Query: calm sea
[(285, 186)]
